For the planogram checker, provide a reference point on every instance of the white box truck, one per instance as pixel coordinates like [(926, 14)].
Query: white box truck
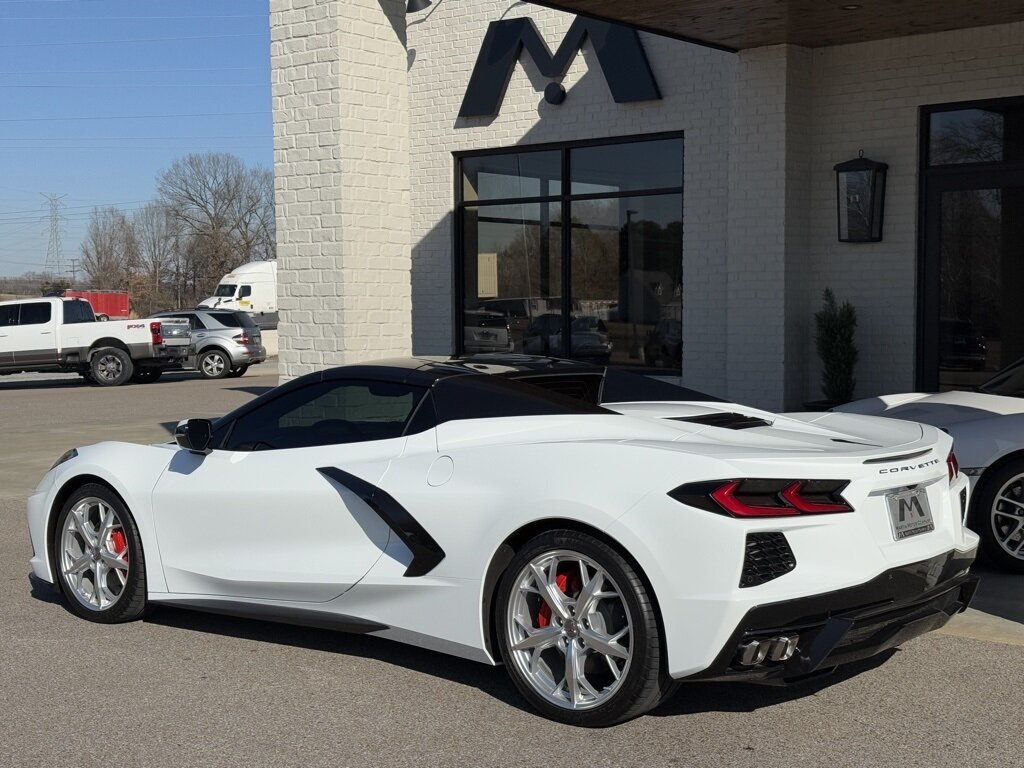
[(250, 288)]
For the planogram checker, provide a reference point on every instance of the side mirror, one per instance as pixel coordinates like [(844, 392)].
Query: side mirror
[(194, 435)]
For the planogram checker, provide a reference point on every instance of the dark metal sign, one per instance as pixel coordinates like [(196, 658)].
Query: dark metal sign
[(620, 55)]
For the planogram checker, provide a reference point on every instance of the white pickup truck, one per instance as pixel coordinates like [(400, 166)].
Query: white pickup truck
[(49, 335)]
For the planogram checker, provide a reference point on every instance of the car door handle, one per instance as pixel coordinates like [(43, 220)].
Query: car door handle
[(45, 333)]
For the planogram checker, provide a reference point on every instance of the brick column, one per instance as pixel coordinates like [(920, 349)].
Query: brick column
[(341, 160), (769, 200)]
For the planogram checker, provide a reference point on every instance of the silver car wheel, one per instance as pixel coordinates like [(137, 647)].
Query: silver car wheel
[(214, 364), (109, 368), (1007, 518), (94, 554), (569, 630)]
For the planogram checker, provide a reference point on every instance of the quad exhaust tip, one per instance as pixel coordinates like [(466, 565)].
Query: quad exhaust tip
[(754, 652)]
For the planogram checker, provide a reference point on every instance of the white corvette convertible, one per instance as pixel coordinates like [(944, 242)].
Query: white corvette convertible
[(603, 535), (988, 427)]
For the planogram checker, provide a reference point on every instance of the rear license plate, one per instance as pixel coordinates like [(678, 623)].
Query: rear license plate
[(909, 514)]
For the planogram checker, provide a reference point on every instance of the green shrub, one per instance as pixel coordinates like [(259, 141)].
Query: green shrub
[(836, 325)]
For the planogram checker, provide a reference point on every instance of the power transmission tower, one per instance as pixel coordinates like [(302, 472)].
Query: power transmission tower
[(73, 269), (53, 250)]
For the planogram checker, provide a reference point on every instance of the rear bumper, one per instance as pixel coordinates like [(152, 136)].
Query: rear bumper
[(851, 624)]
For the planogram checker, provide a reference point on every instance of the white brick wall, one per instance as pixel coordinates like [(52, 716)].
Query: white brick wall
[(695, 82), (866, 96), (341, 143), (363, 155)]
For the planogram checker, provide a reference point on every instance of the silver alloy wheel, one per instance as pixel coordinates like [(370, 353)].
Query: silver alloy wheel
[(214, 364), (109, 368), (94, 554), (1007, 518), (569, 630)]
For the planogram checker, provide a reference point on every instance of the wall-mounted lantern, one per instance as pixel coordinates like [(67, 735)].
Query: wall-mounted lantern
[(860, 189)]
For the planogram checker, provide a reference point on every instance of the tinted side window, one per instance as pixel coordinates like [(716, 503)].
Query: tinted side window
[(77, 312), (195, 321), (35, 313), (327, 413), (9, 315), (234, 319), (245, 291)]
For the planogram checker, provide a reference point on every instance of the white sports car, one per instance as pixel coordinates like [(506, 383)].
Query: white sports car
[(988, 427), (602, 534)]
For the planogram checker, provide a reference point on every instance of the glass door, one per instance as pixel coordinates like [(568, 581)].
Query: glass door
[(972, 323)]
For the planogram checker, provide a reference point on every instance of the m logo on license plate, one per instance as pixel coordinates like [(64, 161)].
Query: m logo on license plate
[(909, 514)]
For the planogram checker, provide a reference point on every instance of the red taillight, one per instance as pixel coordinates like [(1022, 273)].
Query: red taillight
[(726, 498), (156, 331), (242, 338), (953, 466), (765, 498), (793, 495)]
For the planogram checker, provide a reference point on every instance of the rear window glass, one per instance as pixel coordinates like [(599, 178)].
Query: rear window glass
[(35, 313), (234, 319), (486, 397)]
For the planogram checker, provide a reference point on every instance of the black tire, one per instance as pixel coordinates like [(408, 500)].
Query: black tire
[(238, 372), (146, 375), (993, 527), (130, 602), (644, 683), (111, 367), (214, 364)]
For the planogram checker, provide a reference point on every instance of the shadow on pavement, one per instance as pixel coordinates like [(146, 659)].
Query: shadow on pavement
[(696, 698), (689, 699), (1000, 594), (490, 680), (254, 391)]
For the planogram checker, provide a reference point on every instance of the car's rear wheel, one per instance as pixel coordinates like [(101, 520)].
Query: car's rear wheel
[(999, 516), (578, 631), (111, 367), (98, 555), (214, 364)]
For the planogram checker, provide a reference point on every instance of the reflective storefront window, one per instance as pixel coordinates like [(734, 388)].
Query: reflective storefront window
[(597, 261)]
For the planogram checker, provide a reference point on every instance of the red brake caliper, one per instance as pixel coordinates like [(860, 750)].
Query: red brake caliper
[(118, 543), (570, 583)]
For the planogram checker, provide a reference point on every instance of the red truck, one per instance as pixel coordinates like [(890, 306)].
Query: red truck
[(108, 305)]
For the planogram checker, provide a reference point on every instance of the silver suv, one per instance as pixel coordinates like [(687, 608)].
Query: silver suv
[(224, 342)]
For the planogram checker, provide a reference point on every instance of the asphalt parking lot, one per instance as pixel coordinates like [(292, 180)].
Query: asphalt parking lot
[(188, 689)]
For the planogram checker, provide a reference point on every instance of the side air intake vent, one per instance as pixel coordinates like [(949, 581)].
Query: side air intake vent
[(768, 557), (725, 420)]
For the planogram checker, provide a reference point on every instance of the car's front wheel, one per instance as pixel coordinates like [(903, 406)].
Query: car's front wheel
[(578, 631), (98, 555), (998, 516)]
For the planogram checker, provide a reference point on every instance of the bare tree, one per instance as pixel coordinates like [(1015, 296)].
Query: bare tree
[(225, 209), (110, 250)]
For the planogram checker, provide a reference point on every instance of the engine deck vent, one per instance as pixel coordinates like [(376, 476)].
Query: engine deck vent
[(725, 420), (768, 557)]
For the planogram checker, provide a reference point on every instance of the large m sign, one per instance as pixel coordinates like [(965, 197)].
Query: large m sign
[(619, 53)]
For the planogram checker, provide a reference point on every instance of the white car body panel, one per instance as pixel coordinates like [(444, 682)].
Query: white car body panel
[(985, 428), (296, 545)]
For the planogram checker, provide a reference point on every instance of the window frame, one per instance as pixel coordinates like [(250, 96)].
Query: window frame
[(565, 198), (36, 302)]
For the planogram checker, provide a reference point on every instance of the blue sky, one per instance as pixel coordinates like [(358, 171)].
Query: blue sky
[(156, 78)]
